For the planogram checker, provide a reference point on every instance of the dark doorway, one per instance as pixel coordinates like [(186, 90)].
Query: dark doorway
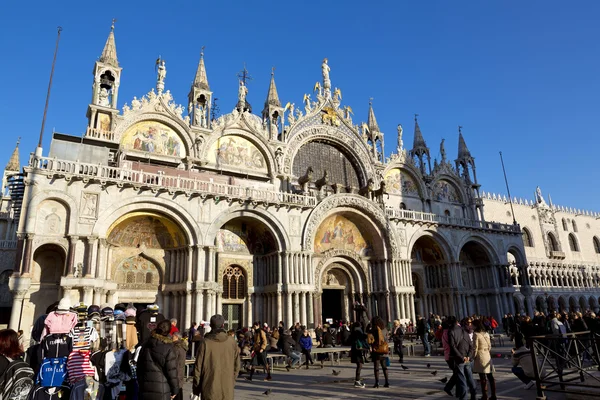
[(332, 304), (232, 313)]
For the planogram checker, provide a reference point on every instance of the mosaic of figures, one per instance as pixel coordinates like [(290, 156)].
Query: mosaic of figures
[(237, 152), (427, 252), (241, 237), (103, 122), (444, 191), (153, 137), (399, 182), (137, 273), (152, 231), (338, 232)]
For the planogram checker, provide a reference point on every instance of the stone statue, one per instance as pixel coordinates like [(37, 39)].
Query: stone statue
[(306, 100), (242, 93), (400, 142), (443, 150), (325, 69), (279, 159), (538, 196), (162, 71), (198, 115), (291, 116), (103, 97)]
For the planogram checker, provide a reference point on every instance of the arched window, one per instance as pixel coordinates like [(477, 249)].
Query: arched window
[(597, 245), (234, 283), (565, 227), (527, 241), (574, 226), (447, 213), (552, 242), (573, 243)]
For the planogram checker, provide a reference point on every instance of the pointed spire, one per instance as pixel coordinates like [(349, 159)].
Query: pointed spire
[(201, 80), (109, 54), (272, 96), (13, 162), (372, 121), (418, 141), (463, 151)]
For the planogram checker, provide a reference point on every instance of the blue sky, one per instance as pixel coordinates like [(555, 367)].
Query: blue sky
[(519, 76)]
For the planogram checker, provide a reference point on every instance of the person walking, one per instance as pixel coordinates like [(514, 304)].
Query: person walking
[(482, 361), (461, 354), (157, 365), (398, 338), (259, 352), (446, 325), (305, 342), (379, 350), (181, 348), (218, 363), (423, 328), (358, 348)]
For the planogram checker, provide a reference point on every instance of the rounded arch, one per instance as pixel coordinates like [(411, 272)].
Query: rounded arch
[(454, 182), (167, 207), (166, 118), (563, 304), (553, 242), (527, 237), (517, 254), (413, 173), (350, 266), (485, 244), (234, 282), (350, 145), (68, 201), (258, 141), (596, 242), (593, 303), (447, 254), (573, 304), (49, 263), (370, 214), (583, 304), (263, 216), (565, 226)]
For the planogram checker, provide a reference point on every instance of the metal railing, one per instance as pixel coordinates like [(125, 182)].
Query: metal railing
[(170, 183), (394, 213), (564, 363)]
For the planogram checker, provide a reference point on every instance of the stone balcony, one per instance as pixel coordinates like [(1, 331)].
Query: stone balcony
[(99, 134), (435, 219)]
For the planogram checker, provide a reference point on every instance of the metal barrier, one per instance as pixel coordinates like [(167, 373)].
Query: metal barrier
[(565, 363)]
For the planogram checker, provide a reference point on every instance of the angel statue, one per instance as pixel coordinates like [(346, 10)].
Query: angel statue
[(306, 100), (290, 107), (347, 112), (317, 87), (337, 92)]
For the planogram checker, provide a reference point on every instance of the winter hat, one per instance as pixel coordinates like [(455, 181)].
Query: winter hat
[(93, 313), (130, 312), (119, 315), (64, 305)]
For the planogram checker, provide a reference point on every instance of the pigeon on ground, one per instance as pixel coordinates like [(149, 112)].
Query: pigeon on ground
[(428, 365), (434, 373), (404, 367), (267, 392), (444, 380), (336, 373)]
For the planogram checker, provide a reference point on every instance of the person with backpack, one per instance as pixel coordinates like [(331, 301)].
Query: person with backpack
[(16, 377), (379, 350), (358, 348)]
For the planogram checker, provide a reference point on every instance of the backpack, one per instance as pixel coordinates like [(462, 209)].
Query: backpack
[(382, 346), (52, 372), (17, 381)]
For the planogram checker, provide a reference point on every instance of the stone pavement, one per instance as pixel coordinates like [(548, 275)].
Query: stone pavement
[(415, 383)]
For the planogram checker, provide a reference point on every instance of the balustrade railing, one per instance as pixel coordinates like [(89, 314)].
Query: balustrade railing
[(395, 213), (8, 244), (174, 183), (101, 134)]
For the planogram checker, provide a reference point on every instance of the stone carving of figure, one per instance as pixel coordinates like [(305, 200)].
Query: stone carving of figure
[(162, 71), (307, 106), (89, 204), (198, 115), (103, 97), (443, 150), (400, 142), (538, 196), (325, 69), (291, 116), (279, 159), (242, 93)]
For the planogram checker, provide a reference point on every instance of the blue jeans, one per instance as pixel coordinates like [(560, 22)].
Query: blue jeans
[(519, 373), (426, 345), (464, 381), (295, 358)]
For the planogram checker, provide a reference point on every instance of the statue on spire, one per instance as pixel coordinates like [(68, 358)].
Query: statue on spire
[(326, 82), (443, 151), (400, 142), (162, 73), (538, 196)]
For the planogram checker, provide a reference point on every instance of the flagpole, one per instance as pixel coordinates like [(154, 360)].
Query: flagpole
[(39, 148), (508, 190)]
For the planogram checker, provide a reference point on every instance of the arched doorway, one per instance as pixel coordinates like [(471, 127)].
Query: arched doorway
[(247, 254), (235, 290), (337, 294), (48, 267), (6, 299), (430, 263)]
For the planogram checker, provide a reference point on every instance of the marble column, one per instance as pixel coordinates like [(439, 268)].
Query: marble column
[(310, 312), (102, 259), (17, 309), (303, 319), (99, 296), (211, 264), (279, 271), (296, 306), (89, 269), (249, 307), (289, 314), (190, 264), (88, 295), (412, 309), (188, 309), (199, 311), (21, 238), (219, 296), (27, 255), (71, 254), (399, 311)]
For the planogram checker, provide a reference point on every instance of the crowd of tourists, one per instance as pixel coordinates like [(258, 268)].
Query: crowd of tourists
[(107, 353)]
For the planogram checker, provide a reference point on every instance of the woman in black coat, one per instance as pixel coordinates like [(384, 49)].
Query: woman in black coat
[(157, 365), (358, 348)]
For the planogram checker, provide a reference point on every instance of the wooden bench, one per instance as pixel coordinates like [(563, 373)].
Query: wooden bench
[(332, 351)]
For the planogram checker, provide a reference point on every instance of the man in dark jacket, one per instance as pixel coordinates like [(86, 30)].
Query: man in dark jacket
[(461, 354), (217, 364), (288, 347), (157, 365), (423, 328)]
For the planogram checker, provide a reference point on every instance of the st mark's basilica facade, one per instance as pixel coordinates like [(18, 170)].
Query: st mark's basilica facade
[(289, 214)]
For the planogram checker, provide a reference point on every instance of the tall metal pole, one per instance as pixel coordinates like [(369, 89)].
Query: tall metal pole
[(59, 29), (508, 190)]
